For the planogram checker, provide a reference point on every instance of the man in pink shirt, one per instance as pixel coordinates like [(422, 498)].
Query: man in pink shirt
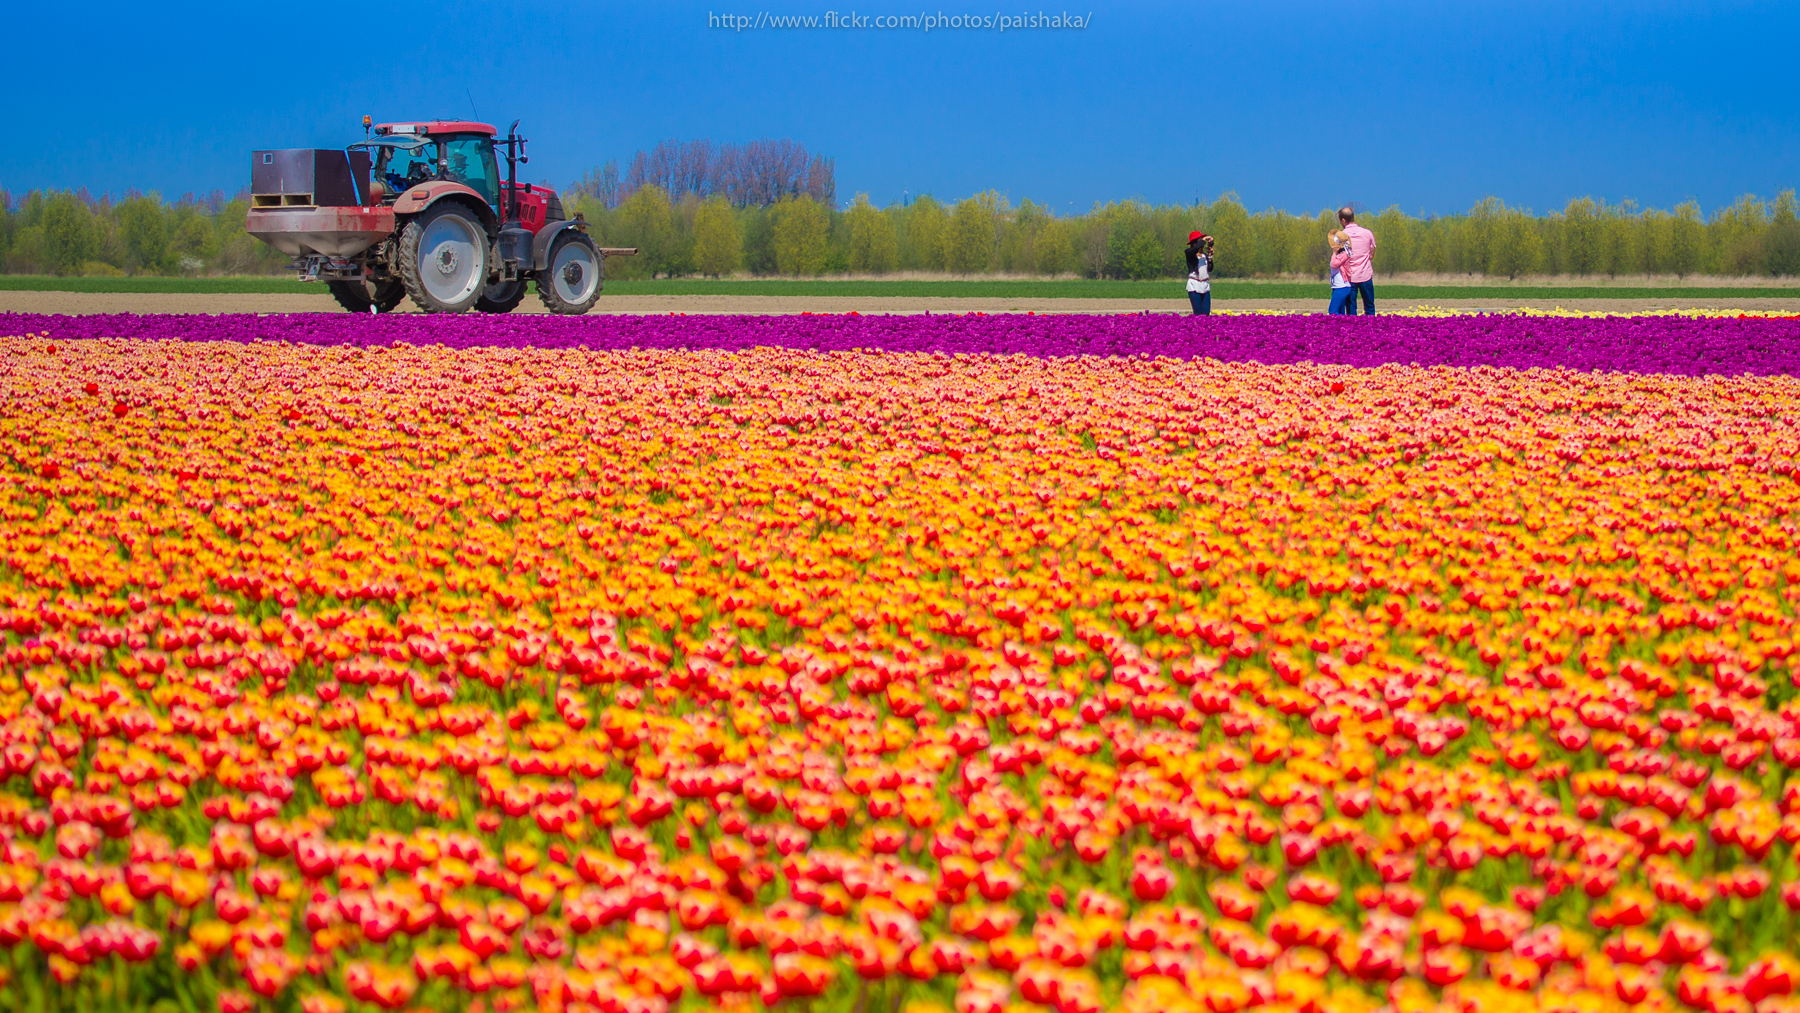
[(1360, 268)]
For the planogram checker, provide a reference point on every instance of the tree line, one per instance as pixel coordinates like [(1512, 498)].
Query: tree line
[(985, 234), (800, 234), (73, 233)]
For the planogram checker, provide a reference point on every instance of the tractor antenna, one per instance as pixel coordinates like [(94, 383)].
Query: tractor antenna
[(471, 95)]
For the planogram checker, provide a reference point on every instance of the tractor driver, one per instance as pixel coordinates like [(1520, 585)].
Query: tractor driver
[(407, 168), (476, 179)]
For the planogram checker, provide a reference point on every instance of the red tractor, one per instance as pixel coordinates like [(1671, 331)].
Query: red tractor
[(420, 210)]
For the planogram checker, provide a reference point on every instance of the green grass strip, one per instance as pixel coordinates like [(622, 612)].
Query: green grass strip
[(971, 288)]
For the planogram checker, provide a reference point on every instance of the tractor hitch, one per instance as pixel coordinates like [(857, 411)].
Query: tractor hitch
[(315, 267)]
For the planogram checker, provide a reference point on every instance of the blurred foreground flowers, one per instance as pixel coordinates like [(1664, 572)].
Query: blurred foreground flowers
[(342, 677)]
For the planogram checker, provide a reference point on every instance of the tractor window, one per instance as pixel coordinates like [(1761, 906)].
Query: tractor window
[(400, 168), (472, 164)]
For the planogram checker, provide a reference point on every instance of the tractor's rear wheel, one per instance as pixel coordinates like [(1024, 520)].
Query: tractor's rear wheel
[(362, 296), (444, 258), (501, 296), (570, 282)]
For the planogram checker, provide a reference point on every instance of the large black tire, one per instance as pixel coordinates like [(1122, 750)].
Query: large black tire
[(501, 296), (361, 296), (443, 258), (572, 277)]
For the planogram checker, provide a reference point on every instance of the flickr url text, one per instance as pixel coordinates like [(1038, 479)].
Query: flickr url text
[(921, 22)]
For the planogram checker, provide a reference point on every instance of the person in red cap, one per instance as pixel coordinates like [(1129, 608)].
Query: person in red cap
[(1199, 272)]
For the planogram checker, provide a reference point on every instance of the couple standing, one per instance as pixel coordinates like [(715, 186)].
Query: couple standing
[(1352, 266)]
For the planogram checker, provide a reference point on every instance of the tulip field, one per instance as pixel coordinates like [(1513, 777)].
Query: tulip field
[(986, 664)]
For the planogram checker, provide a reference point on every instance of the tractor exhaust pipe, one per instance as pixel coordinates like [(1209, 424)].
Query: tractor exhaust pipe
[(512, 172)]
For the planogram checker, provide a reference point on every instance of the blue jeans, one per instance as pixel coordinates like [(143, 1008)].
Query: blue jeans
[(1340, 300), (1367, 289), (1202, 302)]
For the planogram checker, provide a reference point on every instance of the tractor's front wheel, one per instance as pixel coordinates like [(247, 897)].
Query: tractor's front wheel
[(501, 296), (570, 283), (444, 258), (363, 296)]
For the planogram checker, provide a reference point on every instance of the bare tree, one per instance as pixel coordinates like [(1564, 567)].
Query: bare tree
[(821, 180), (603, 184), (757, 174)]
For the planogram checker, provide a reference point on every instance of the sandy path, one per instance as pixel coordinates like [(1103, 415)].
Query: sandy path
[(81, 302)]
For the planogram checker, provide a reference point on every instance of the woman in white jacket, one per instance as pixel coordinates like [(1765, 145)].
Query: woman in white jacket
[(1199, 272), (1343, 294)]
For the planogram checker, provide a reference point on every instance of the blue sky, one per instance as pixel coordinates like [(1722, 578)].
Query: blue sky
[(1428, 105)]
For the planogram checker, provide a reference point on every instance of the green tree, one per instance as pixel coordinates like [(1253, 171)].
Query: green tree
[(234, 251), (718, 250), (873, 247), (1516, 247), (1579, 245), (1300, 245), (68, 233), (1653, 239), (1432, 253), (1122, 223), (193, 243), (759, 240), (1617, 240), (1737, 235), (31, 209), (973, 234), (896, 219), (1092, 237), (1267, 242), (1229, 225), (1481, 235), (646, 220), (9, 225), (926, 225), (1397, 238), (1055, 248), (1686, 240), (685, 211), (26, 254), (108, 251), (1783, 242), (1018, 246), (242, 254), (800, 224), (1143, 257), (837, 241)]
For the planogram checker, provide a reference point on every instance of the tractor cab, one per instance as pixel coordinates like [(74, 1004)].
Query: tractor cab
[(399, 165), (407, 154)]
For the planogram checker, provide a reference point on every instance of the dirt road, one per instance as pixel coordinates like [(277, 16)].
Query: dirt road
[(80, 303)]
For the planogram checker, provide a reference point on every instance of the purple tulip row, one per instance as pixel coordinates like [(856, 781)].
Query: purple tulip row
[(1677, 345)]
